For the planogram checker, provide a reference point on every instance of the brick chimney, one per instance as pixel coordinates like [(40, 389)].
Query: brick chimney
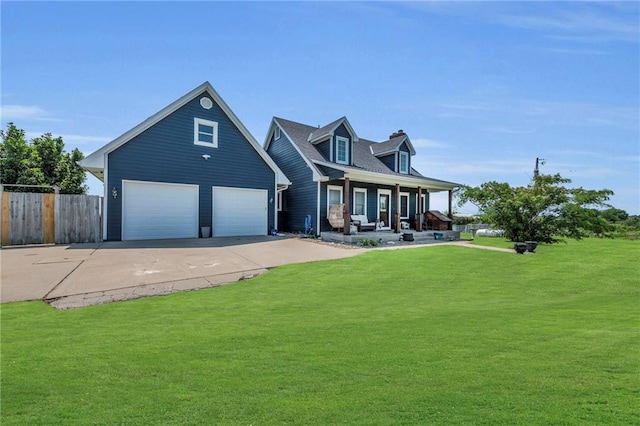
[(400, 132)]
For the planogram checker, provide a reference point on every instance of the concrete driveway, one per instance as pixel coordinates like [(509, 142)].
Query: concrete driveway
[(69, 276)]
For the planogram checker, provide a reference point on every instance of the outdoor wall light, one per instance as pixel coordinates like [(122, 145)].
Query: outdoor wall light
[(114, 192), (206, 156)]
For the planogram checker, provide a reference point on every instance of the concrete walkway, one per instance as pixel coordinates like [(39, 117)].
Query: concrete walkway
[(72, 276), (461, 243)]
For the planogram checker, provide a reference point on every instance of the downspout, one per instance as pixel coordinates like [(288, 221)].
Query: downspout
[(275, 203), (318, 211), (105, 197)]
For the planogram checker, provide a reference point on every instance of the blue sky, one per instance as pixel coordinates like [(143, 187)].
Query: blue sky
[(482, 88)]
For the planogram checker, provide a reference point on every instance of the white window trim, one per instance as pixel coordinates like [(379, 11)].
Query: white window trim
[(335, 188), (405, 155), (196, 122), (276, 133), (360, 190), (346, 149), (404, 194), (279, 202), (424, 203)]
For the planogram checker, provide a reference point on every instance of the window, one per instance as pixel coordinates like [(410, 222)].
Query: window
[(205, 132), (342, 150), (404, 162), (276, 133), (404, 205), (360, 201), (334, 196), (206, 103)]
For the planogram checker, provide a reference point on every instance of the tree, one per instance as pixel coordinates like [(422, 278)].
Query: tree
[(42, 161), (545, 211), (614, 215)]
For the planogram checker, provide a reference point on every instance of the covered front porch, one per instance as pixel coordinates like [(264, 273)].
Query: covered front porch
[(384, 237)]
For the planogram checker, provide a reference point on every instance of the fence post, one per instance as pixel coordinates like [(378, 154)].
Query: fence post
[(1, 214), (5, 219), (48, 218)]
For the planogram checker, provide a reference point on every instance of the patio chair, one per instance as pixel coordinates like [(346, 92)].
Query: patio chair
[(335, 216)]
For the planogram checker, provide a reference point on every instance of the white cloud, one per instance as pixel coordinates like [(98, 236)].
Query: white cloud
[(578, 51), (428, 143), (572, 21), (589, 172), (25, 112), (71, 139), (580, 114), (509, 131), (469, 106), (588, 23), (82, 139), (474, 171)]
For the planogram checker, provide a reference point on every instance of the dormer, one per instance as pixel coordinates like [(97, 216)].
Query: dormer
[(396, 152), (335, 141)]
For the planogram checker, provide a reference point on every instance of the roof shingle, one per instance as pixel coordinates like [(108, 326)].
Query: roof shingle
[(364, 150)]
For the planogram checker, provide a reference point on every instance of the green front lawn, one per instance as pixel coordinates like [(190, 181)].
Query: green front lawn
[(435, 335)]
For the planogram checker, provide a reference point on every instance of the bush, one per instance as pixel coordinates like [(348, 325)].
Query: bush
[(624, 231), (368, 243)]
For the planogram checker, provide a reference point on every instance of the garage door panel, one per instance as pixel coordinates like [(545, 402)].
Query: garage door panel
[(153, 210), (239, 212)]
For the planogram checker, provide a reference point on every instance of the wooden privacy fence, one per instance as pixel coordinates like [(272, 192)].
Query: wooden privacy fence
[(30, 218)]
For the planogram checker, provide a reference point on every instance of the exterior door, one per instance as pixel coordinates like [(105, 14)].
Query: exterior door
[(384, 206)]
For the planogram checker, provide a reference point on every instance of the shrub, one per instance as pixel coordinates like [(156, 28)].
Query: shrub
[(368, 243)]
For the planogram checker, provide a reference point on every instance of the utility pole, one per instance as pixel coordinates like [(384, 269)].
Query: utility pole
[(539, 161)]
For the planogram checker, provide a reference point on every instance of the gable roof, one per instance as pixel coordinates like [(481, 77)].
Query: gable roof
[(322, 133), (95, 162), (365, 163), (392, 145), (295, 132)]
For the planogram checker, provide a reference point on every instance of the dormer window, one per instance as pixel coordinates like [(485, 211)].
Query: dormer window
[(342, 150), (404, 163)]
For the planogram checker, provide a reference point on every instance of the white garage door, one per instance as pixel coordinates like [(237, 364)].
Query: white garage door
[(239, 212), (152, 210)]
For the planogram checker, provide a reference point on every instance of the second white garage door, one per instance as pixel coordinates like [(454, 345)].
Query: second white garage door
[(153, 210), (238, 212)]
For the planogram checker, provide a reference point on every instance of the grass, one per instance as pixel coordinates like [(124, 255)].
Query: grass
[(436, 335), (500, 242)]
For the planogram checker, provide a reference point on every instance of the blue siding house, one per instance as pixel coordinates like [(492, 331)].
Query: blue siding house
[(331, 165), (192, 169)]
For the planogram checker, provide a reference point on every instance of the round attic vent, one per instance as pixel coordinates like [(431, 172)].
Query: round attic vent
[(206, 103)]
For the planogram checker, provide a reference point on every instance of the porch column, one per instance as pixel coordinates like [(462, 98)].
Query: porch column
[(346, 214), (450, 208), (419, 211), (396, 215)]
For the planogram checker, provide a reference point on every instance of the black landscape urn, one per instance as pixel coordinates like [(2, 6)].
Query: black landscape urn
[(520, 248)]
